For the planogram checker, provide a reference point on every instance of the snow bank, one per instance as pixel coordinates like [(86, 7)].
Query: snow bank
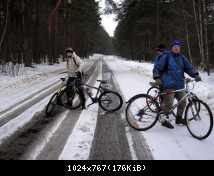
[(39, 73)]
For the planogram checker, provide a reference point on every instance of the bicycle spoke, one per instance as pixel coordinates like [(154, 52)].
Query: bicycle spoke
[(139, 114), (110, 101)]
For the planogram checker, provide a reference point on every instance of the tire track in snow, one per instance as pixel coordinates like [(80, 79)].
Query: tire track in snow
[(110, 141), (51, 141)]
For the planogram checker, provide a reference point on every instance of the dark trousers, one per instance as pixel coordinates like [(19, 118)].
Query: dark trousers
[(78, 84), (168, 101), (82, 96)]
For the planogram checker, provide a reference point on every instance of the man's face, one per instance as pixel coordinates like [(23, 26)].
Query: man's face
[(176, 49), (69, 54)]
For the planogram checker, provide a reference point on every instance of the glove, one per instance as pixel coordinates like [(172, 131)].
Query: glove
[(158, 82), (198, 78)]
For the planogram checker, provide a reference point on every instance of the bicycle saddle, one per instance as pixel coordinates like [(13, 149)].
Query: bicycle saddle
[(102, 81)]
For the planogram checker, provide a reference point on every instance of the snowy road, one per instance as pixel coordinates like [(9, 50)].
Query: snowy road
[(26, 118), (72, 135), (110, 141), (96, 135), (13, 103)]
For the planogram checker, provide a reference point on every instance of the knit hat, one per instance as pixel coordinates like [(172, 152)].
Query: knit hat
[(176, 43)]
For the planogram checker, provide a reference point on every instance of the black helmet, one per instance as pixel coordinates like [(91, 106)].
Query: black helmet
[(160, 48)]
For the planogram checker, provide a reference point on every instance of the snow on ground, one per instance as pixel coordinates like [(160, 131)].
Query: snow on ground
[(96, 56), (78, 145), (16, 89), (22, 120), (39, 146), (134, 78), (39, 73), (80, 141)]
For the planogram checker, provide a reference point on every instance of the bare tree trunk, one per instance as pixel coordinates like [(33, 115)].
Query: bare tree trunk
[(201, 34), (131, 50), (158, 22), (187, 33), (197, 27), (35, 36), (206, 46), (5, 27), (52, 31)]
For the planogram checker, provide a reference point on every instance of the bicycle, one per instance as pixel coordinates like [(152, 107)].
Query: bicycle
[(69, 97), (144, 111), (107, 99), (157, 93), (65, 95)]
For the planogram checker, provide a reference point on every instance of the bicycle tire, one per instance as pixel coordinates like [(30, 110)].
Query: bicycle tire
[(197, 101), (70, 103), (50, 108), (130, 102), (198, 104), (156, 98), (104, 107)]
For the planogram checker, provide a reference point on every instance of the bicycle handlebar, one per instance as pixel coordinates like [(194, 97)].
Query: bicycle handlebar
[(67, 72), (63, 72), (187, 80)]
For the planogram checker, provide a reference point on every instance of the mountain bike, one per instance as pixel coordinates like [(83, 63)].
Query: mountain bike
[(69, 97), (144, 111)]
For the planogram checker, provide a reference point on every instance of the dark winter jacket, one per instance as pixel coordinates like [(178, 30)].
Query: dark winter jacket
[(170, 69), (158, 56)]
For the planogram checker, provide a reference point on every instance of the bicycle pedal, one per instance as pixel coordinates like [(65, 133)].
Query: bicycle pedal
[(163, 118)]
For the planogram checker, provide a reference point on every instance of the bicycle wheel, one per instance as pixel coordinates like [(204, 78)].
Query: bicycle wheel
[(138, 113), (52, 105), (70, 99), (110, 101), (199, 122), (154, 93)]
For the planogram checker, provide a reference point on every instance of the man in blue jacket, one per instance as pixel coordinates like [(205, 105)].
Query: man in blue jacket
[(169, 72)]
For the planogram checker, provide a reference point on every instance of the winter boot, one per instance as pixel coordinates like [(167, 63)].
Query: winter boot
[(167, 124), (180, 121)]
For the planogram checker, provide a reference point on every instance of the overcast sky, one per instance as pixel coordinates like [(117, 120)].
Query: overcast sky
[(108, 20), (109, 24)]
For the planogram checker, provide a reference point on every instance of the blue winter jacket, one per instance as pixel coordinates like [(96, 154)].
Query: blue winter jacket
[(170, 69)]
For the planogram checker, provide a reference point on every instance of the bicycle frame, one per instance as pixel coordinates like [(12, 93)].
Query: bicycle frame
[(95, 88), (189, 95), (95, 98), (63, 87)]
